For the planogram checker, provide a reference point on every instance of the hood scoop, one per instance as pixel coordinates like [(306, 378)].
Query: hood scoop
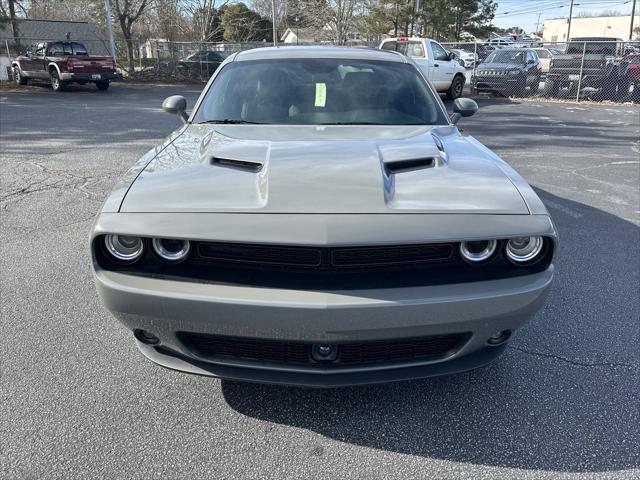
[(409, 165), (245, 165)]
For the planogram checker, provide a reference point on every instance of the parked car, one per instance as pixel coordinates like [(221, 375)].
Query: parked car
[(481, 50), (544, 55), (466, 59), (63, 63), (320, 220), (589, 62), (438, 65), (510, 72), (202, 62)]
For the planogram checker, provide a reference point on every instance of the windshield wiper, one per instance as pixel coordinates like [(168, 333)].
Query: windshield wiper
[(233, 121)]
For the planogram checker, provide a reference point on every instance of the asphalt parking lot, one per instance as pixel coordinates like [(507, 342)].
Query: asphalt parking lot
[(79, 401)]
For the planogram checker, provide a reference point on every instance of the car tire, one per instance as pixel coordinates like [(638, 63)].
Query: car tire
[(18, 77), (57, 84), (456, 88), (103, 85), (552, 89)]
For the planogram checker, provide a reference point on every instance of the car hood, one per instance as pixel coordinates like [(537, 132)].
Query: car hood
[(323, 169)]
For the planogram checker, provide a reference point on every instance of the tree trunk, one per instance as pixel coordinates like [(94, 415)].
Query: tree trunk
[(14, 23), (126, 31), (130, 59)]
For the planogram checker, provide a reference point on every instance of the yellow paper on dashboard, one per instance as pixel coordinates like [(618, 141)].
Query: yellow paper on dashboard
[(321, 94)]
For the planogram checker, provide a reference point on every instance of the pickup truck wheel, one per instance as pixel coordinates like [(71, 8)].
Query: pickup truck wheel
[(624, 87), (552, 88), (17, 76), (57, 84), (103, 85), (456, 88)]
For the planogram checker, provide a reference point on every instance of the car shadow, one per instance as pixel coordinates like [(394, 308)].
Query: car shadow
[(563, 397)]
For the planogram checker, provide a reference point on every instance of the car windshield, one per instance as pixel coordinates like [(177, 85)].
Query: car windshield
[(320, 92), (515, 57)]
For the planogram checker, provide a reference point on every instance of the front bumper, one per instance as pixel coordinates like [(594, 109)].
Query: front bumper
[(498, 83), (166, 307), (88, 77)]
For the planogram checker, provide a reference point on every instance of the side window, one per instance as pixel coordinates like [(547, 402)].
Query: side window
[(389, 46), (415, 50), (439, 53)]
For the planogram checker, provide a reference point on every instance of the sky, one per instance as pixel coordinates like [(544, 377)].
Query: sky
[(524, 13)]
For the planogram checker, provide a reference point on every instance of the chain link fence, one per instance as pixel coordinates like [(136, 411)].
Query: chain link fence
[(596, 70), (593, 70)]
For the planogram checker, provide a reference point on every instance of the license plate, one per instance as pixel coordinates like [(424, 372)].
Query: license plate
[(574, 78), (95, 76)]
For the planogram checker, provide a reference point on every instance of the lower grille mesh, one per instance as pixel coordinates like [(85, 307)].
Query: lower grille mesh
[(241, 349)]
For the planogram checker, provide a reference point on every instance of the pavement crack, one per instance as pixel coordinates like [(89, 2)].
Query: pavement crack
[(576, 363)]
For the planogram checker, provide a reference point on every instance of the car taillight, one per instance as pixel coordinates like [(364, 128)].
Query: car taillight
[(69, 65)]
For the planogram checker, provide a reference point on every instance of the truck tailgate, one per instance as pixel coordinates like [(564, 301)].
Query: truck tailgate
[(84, 64)]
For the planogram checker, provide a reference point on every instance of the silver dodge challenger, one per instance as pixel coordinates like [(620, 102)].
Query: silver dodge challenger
[(319, 220)]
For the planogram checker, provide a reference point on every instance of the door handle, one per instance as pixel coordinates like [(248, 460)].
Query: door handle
[(436, 65)]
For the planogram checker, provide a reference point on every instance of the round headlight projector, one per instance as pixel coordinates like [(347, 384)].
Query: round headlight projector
[(124, 247), (478, 251), (524, 249), (171, 250)]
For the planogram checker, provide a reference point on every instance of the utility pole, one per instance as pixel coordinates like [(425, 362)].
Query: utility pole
[(112, 45), (275, 30), (417, 18), (538, 22), (569, 28), (633, 12)]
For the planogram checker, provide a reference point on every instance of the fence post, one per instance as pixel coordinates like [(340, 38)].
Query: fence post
[(584, 50), (475, 58)]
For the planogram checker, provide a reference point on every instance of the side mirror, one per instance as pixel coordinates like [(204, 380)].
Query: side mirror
[(176, 105), (452, 56), (463, 107)]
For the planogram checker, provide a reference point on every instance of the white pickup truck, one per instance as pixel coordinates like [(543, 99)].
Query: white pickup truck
[(441, 68)]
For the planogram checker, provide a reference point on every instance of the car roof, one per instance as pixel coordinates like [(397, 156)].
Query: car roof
[(270, 53)]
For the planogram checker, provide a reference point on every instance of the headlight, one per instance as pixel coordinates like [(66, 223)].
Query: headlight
[(124, 247), (170, 249), (524, 249), (478, 251)]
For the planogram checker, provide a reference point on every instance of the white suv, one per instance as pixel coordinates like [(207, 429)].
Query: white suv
[(441, 68)]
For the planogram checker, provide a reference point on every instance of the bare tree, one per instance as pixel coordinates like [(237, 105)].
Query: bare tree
[(127, 13), (205, 15), (338, 15), (264, 8)]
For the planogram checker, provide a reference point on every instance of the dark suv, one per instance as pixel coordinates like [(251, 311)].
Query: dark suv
[(512, 72)]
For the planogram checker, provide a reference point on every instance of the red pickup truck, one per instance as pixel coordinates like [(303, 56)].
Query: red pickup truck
[(62, 63)]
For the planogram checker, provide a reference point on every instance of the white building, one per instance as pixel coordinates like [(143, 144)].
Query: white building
[(555, 29)]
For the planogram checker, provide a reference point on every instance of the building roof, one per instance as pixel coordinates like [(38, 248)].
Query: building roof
[(34, 31), (269, 53)]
